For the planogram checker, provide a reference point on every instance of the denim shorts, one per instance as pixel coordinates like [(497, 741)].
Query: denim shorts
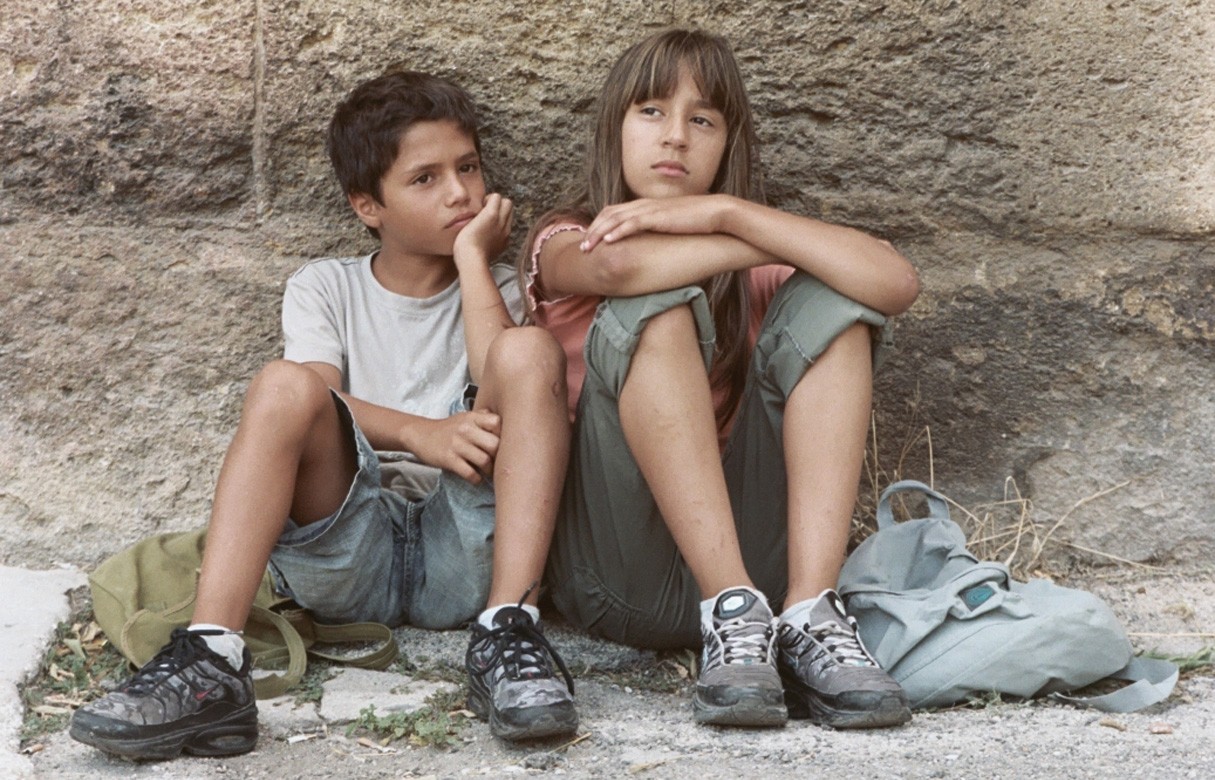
[(387, 558), (614, 568)]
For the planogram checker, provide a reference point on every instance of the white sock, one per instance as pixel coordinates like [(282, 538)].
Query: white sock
[(486, 618), (228, 645), (799, 613)]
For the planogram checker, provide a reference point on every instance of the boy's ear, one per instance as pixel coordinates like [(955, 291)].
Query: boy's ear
[(367, 208)]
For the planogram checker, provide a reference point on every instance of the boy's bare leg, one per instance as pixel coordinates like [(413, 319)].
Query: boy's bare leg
[(291, 457), (524, 383), (666, 412), (826, 418)]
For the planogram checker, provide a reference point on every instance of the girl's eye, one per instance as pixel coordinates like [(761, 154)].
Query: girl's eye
[(703, 120), (649, 111)]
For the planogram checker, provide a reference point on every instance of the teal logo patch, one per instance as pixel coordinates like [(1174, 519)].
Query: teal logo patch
[(977, 595)]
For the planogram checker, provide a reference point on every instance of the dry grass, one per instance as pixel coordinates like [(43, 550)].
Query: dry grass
[(1007, 530)]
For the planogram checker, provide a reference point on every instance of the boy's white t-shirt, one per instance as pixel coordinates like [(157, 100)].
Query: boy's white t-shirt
[(404, 353)]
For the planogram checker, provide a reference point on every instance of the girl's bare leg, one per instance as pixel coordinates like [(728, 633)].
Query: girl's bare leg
[(826, 418), (666, 412)]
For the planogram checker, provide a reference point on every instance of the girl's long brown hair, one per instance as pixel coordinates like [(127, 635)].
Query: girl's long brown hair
[(651, 69)]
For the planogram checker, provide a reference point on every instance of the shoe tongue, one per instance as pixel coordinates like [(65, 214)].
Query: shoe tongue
[(828, 607), (734, 603), (507, 615)]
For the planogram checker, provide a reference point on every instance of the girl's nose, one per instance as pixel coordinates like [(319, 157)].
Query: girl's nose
[(675, 135)]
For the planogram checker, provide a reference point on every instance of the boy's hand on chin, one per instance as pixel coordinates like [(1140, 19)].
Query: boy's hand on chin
[(487, 234)]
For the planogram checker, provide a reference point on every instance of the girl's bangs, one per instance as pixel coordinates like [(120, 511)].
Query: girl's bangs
[(658, 73)]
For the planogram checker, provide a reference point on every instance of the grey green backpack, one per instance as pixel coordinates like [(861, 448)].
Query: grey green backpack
[(948, 626)]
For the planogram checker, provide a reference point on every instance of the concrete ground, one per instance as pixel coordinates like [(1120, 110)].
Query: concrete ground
[(630, 729)]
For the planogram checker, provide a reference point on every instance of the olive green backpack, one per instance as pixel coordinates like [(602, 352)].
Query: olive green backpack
[(145, 591)]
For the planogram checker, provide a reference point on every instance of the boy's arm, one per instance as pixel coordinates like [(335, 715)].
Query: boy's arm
[(855, 264), (484, 312), (465, 443)]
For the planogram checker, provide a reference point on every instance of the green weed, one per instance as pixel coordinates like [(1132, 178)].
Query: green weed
[(438, 724), (73, 670)]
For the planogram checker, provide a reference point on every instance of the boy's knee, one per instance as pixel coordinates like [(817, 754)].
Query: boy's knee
[(285, 387), (523, 353)]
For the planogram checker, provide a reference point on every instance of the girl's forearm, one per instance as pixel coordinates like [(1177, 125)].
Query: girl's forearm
[(864, 268), (649, 262)]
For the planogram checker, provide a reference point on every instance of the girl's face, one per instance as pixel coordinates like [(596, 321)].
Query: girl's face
[(672, 146)]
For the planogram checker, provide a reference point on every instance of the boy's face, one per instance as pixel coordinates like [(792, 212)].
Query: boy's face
[(433, 189)]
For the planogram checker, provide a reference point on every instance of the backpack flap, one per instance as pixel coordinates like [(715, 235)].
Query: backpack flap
[(145, 591), (894, 623)]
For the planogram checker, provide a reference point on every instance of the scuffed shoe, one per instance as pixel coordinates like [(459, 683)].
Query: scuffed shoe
[(738, 683), (511, 682), (830, 677), (186, 699)]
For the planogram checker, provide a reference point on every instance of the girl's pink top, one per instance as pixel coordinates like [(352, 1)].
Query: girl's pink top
[(569, 318)]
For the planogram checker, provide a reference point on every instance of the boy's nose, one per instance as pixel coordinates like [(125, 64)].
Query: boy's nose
[(457, 191)]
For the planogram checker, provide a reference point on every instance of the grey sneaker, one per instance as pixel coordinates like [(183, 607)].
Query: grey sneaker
[(738, 683), (830, 677), (186, 699), (511, 682)]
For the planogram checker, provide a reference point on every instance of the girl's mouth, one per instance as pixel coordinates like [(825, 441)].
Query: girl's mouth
[(670, 168)]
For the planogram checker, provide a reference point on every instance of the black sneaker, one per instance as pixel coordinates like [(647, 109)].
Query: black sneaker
[(187, 698), (738, 683), (830, 677), (511, 682)]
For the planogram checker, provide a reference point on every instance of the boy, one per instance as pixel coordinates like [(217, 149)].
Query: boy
[(379, 352)]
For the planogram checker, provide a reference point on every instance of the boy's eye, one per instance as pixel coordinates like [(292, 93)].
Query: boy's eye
[(425, 178), (470, 167)]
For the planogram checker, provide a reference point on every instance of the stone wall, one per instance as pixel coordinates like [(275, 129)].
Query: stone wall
[(1048, 166)]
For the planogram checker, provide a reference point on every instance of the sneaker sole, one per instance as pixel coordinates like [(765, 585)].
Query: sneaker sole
[(532, 723), (229, 736), (750, 710), (891, 710)]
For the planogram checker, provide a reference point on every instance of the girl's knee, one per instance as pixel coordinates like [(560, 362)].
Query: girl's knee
[(668, 326)]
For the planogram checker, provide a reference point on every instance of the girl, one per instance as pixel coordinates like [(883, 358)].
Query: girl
[(719, 369)]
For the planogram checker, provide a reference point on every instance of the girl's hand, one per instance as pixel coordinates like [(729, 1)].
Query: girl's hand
[(488, 233), (686, 214), (465, 443)]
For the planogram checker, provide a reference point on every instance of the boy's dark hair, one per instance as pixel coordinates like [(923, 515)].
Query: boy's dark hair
[(366, 129)]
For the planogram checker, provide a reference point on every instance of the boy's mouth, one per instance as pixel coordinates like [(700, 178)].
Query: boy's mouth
[(461, 220)]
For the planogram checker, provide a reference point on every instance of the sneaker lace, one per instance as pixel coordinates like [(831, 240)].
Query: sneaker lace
[(841, 642), (179, 653), (743, 641), (524, 650)]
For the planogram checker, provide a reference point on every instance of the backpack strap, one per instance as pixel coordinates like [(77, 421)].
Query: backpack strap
[(276, 684), (1151, 679), (381, 657), (937, 505)]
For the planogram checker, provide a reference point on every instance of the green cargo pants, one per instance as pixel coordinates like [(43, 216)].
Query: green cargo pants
[(614, 568)]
